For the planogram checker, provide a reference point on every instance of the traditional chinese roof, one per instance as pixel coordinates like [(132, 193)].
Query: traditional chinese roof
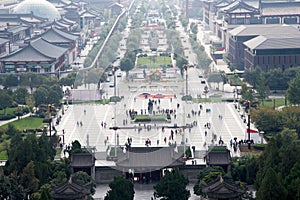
[(70, 190), (222, 189), (263, 29), (280, 8), (82, 160), (38, 50), (239, 7), (116, 5), (275, 41), (3, 41), (154, 158), (218, 155), (57, 36)]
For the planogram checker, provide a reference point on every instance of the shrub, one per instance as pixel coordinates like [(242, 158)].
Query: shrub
[(7, 117)]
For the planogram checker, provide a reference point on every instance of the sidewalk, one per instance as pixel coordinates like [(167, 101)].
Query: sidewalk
[(14, 119)]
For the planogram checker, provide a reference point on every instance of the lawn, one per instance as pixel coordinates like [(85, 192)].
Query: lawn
[(270, 103), (154, 61), (3, 155), (27, 123), (9, 110)]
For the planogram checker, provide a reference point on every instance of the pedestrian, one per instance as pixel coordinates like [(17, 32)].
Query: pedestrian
[(165, 140), (80, 123)]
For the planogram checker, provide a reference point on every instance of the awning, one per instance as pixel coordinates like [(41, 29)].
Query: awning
[(251, 130), (9, 66)]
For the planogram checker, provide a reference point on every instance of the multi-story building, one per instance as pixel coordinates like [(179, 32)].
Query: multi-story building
[(272, 51), (243, 33)]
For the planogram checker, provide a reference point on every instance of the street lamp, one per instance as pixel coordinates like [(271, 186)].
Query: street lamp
[(249, 139), (185, 67)]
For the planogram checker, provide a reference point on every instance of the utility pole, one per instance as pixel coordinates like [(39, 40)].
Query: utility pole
[(249, 138)]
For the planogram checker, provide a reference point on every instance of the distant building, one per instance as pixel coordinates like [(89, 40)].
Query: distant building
[(41, 8), (63, 39), (272, 51), (243, 33), (218, 156), (222, 189), (221, 16), (37, 56), (70, 190)]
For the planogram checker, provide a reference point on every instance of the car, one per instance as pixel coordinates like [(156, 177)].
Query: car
[(119, 74), (200, 76), (110, 73), (111, 85), (203, 81)]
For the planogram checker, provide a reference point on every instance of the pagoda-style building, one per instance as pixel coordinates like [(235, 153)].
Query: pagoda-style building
[(219, 156), (37, 56), (70, 191), (83, 162), (221, 189), (148, 162)]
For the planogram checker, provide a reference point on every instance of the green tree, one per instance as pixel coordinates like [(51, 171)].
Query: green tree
[(247, 93), (206, 174), (172, 186), (11, 81), (293, 182), (262, 88), (29, 180), (126, 64), (84, 179), (272, 187), (120, 189), (293, 92), (40, 96), (20, 95), (5, 100)]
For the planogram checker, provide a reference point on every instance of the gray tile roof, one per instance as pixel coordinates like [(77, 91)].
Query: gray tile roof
[(48, 49), (38, 50), (2, 41), (82, 160), (236, 6), (276, 41), (157, 159), (54, 35), (27, 54), (263, 29), (280, 8)]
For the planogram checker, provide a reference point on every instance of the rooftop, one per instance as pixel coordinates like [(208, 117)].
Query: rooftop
[(275, 41)]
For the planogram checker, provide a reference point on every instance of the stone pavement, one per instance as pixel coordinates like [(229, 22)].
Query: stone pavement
[(142, 191)]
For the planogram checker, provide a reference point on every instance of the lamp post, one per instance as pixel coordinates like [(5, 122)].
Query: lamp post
[(249, 139)]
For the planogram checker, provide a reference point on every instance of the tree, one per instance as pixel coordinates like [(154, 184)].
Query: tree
[(29, 180), (247, 93), (84, 179), (40, 96), (206, 174), (120, 189), (293, 92), (5, 100), (272, 187), (20, 95), (262, 88), (172, 186)]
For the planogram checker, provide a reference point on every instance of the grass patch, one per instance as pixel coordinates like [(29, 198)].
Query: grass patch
[(27, 123), (202, 100), (154, 61), (3, 155), (270, 103), (9, 110)]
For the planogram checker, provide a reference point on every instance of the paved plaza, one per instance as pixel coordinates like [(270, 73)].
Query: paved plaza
[(90, 123)]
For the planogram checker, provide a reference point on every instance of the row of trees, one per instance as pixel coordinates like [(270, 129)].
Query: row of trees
[(289, 81), (30, 169)]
